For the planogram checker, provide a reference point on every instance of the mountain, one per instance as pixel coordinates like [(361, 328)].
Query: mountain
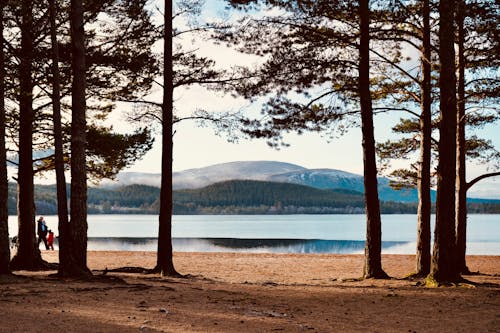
[(200, 177), (251, 170), (274, 172), (337, 179), (321, 178)]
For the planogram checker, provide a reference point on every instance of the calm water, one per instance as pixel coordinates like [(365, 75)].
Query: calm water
[(271, 233)]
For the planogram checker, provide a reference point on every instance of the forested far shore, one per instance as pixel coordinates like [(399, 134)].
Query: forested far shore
[(231, 197)]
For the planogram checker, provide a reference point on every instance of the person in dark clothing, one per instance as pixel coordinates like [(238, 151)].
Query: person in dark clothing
[(42, 232)]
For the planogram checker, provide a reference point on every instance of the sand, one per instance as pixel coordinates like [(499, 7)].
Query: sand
[(235, 292)]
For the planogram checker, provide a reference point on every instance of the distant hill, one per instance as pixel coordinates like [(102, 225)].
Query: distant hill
[(274, 172)]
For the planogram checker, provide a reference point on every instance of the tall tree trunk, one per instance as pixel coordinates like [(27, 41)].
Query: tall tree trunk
[(28, 255), (4, 185), (444, 266), (165, 263), (373, 248), (423, 254), (65, 258), (78, 224), (461, 182)]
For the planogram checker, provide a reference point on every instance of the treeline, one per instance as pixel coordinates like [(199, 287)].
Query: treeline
[(259, 197), (231, 197), (248, 192)]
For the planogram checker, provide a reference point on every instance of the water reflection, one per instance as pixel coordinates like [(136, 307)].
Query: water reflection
[(266, 245), (237, 245)]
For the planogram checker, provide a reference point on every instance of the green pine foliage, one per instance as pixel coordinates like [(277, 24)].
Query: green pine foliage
[(251, 193)]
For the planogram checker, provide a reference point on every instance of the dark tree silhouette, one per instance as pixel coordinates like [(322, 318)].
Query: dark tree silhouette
[(461, 181), (373, 248), (78, 224), (28, 255), (165, 263), (443, 265), (4, 186), (423, 252), (65, 258)]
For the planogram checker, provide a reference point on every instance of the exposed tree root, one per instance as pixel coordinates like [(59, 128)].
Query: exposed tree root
[(379, 275), (31, 264), (142, 270)]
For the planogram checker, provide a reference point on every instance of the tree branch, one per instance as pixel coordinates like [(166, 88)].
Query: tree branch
[(386, 109), (486, 175)]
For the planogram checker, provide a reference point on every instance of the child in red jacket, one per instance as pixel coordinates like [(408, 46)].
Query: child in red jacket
[(50, 240)]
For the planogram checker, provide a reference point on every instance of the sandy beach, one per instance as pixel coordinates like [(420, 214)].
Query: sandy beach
[(237, 292)]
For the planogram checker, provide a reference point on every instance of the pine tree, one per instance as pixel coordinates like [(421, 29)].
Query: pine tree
[(28, 255), (476, 34), (473, 147), (181, 68), (65, 258), (461, 181), (4, 186), (120, 65), (444, 265), (165, 264), (77, 230), (309, 48), (104, 160), (373, 247)]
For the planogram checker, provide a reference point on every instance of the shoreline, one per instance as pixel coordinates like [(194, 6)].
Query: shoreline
[(267, 245), (310, 267)]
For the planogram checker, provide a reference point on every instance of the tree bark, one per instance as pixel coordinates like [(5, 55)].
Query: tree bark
[(78, 224), (165, 264), (28, 255), (461, 182), (423, 253), (373, 248), (65, 258), (444, 266), (4, 185)]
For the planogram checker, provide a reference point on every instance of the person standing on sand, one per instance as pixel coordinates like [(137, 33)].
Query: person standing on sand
[(42, 232), (50, 240)]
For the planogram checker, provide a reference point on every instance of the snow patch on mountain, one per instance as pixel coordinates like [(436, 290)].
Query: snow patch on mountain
[(249, 170), (200, 177)]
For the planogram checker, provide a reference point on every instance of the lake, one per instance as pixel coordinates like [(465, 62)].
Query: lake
[(271, 233)]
